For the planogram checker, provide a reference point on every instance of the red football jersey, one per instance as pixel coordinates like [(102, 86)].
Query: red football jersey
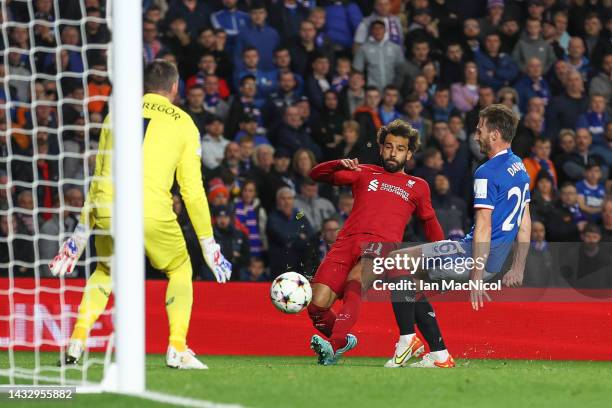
[(384, 202)]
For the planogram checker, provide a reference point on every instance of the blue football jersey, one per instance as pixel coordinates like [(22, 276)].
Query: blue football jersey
[(502, 185), (593, 196)]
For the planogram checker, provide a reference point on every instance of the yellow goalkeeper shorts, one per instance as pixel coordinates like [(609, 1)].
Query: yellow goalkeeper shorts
[(164, 244)]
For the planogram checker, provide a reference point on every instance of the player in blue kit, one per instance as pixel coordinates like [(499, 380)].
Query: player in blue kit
[(501, 204)]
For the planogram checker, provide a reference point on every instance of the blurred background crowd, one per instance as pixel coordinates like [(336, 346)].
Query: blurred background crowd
[(277, 86)]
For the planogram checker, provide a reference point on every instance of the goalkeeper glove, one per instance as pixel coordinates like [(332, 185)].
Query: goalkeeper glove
[(70, 252), (220, 267)]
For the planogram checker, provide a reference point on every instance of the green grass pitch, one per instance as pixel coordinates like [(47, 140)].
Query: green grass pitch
[(359, 382)]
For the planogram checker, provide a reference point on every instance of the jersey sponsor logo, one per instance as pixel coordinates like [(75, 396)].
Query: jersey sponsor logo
[(373, 186), (480, 188), (411, 183), (395, 190)]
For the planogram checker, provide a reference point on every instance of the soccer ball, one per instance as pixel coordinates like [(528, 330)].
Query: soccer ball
[(290, 292)]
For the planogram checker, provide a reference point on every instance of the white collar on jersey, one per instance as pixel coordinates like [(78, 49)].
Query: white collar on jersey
[(500, 153)]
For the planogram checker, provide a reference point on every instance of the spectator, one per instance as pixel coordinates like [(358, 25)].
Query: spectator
[(327, 131), (565, 150), (452, 68), (258, 35), (266, 80), (287, 17), (532, 84), (591, 192), (288, 234), (593, 261), (304, 49), (353, 96), (413, 109), (465, 94), (345, 205), (195, 14), (576, 57), (349, 146), (211, 41), (381, 58), (597, 42), (606, 216), (345, 17), (540, 161), (292, 135), (214, 103), (286, 95), (195, 107), (566, 220), (207, 67), (315, 208), (455, 125), (6, 228), (495, 69), (486, 97), (250, 213), (532, 45), (564, 110), (492, 21), (441, 108), (408, 71), (256, 271), (471, 37), (231, 21), (450, 209), (234, 243), (213, 143), (549, 34), (247, 148), (528, 131), (321, 245), (433, 164), (544, 195), (318, 82), (229, 169), (244, 104), (456, 164), (602, 82), (393, 27), (595, 119), (369, 120), (582, 155), (98, 87), (26, 226), (388, 108), (540, 265), (341, 76), (283, 65), (509, 33), (248, 128), (150, 44), (560, 20)]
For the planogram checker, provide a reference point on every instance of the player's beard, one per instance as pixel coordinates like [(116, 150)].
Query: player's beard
[(485, 146), (393, 166)]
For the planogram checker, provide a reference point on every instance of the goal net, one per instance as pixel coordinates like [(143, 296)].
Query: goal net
[(55, 85)]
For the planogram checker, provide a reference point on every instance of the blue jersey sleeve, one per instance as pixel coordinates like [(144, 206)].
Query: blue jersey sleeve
[(485, 189)]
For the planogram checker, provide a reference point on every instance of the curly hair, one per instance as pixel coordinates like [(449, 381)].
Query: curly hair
[(402, 129)]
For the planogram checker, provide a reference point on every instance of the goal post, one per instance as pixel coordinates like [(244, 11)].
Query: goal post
[(128, 262)]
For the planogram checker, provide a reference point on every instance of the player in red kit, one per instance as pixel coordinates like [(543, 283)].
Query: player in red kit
[(385, 199)]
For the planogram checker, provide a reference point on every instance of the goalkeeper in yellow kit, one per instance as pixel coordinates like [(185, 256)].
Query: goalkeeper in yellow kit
[(171, 145)]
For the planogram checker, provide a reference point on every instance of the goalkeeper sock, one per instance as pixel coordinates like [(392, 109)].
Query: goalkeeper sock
[(179, 299), (348, 314), (403, 308), (322, 319), (428, 325), (95, 298)]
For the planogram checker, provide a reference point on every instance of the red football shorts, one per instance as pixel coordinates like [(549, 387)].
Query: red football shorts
[(344, 255)]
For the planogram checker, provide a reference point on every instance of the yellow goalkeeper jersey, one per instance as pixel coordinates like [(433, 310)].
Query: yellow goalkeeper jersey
[(171, 146)]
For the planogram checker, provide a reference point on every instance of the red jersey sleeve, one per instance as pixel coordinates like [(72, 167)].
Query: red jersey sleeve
[(331, 172), (425, 212)]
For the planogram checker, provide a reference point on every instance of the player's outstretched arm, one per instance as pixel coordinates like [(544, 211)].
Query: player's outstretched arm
[(189, 178), (337, 172), (514, 277), (480, 252)]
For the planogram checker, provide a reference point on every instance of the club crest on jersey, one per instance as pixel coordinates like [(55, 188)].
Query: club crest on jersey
[(410, 183), (373, 186)]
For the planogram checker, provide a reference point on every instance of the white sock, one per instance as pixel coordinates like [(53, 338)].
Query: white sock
[(441, 355), (406, 339)]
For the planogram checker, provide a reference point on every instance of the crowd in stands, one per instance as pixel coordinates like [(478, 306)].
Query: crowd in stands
[(277, 86)]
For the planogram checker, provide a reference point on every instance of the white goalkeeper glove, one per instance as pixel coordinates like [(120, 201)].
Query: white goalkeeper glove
[(70, 252), (220, 267)]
